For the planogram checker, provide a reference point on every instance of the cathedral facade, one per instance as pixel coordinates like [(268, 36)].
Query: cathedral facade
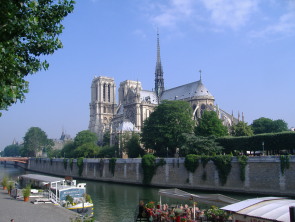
[(136, 104)]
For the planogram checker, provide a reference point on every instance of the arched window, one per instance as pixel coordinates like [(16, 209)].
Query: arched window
[(109, 93), (104, 92), (203, 107)]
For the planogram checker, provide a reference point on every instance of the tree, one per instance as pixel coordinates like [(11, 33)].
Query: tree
[(241, 129), (199, 145), (12, 150), (68, 149), (35, 141), (279, 126), (85, 136), (133, 147), (106, 138), (266, 125), (210, 125), (163, 130), (29, 29), (87, 150)]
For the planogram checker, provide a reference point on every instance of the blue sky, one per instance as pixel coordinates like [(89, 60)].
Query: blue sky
[(245, 49)]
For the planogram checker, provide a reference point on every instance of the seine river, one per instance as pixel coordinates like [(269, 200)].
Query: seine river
[(112, 202)]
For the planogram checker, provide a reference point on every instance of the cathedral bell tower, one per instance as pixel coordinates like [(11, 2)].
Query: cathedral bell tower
[(159, 80), (102, 105)]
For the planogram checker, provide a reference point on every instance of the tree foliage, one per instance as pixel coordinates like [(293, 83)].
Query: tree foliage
[(274, 143), (87, 150), (210, 125), (199, 145), (165, 126), (12, 150), (133, 147), (35, 141), (241, 129), (29, 29), (266, 125), (85, 136)]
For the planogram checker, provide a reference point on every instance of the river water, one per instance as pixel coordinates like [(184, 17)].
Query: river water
[(113, 202)]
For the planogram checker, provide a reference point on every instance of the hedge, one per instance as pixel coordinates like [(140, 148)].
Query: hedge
[(273, 142)]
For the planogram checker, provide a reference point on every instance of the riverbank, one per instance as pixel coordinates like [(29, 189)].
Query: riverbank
[(19, 210), (262, 175)]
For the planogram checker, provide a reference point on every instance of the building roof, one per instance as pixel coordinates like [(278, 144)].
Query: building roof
[(194, 89), (148, 96), (270, 208), (126, 126)]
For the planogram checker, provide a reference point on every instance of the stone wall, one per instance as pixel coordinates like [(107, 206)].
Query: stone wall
[(263, 174)]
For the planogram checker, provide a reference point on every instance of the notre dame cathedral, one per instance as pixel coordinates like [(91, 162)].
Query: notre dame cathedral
[(136, 104)]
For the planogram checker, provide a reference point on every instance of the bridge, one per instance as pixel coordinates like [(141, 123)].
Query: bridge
[(15, 159)]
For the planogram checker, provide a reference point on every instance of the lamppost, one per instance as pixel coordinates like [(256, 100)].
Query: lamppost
[(263, 148), (167, 151)]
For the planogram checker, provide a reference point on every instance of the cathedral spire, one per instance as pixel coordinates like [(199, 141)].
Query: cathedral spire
[(159, 80)]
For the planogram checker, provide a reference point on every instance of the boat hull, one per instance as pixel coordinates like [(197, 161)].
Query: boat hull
[(86, 210)]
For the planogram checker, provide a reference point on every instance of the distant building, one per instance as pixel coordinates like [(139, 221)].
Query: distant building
[(59, 143), (136, 104)]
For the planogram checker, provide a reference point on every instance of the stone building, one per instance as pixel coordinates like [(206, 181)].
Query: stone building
[(136, 104)]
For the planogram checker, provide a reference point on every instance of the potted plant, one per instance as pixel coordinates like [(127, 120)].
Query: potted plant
[(69, 200), (4, 182), (26, 193), (10, 186)]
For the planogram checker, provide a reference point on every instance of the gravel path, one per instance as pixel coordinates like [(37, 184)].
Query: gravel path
[(22, 211)]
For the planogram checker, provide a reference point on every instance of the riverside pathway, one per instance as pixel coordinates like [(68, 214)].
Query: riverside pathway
[(21, 211)]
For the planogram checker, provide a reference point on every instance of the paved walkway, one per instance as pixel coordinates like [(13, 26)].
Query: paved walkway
[(22, 211)]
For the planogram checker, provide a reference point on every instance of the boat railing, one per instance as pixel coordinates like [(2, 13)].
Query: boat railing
[(53, 197)]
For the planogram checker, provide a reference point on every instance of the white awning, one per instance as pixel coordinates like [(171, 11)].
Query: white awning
[(211, 199), (270, 208)]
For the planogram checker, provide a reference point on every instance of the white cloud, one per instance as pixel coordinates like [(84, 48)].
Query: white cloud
[(171, 13), (140, 33), (230, 13), (284, 26)]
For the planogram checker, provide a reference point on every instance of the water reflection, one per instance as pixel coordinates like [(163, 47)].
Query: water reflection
[(114, 202)]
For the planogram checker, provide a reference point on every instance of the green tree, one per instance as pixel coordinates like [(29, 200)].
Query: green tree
[(266, 125), (279, 126), (85, 136), (133, 147), (35, 141), (87, 150), (108, 152), (29, 29), (68, 150), (241, 129), (164, 128), (210, 125), (106, 138), (12, 150), (199, 145)]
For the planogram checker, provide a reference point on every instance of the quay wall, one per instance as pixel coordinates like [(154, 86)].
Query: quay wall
[(262, 174)]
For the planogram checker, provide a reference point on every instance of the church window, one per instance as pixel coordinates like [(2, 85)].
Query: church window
[(104, 92), (96, 92), (109, 93), (203, 107), (104, 109)]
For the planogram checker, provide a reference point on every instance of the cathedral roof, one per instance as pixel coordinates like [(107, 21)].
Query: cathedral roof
[(148, 96), (194, 89), (126, 126)]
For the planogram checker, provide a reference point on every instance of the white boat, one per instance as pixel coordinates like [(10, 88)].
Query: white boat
[(60, 190)]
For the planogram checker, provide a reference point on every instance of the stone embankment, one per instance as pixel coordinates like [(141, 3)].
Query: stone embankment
[(263, 175)]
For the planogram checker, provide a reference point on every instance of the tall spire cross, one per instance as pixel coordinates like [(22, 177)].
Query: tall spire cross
[(159, 80), (200, 71)]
